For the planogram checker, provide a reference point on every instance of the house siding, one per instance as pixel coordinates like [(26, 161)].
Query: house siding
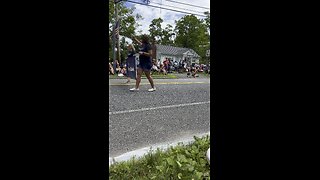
[(176, 53)]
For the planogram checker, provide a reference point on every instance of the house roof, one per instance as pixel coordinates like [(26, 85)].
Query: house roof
[(171, 50)]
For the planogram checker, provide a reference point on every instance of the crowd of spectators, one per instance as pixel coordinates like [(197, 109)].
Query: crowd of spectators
[(167, 66), (170, 66), (120, 69)]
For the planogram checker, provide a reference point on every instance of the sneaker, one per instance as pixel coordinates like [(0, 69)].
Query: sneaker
[(134, 89), (120, 75), (152, 89)]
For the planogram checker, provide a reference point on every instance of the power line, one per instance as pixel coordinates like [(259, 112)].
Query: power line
[(177, 8), (188, 4), (166, 8)]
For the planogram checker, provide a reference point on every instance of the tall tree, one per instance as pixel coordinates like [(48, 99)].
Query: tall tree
[(124, 50), (168, 34), (161, 36), (128, 21), (207, 19), (155, 30), (192, 32)]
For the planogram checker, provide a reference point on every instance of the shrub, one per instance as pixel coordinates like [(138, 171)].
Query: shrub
[(180, 162)]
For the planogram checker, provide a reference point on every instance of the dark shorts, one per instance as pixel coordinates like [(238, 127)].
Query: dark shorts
[(145, 66)]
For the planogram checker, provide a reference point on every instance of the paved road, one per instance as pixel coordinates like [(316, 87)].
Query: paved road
[(179, 107)]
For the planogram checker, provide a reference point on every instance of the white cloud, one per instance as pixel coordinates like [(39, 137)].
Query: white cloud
[(150, 13)]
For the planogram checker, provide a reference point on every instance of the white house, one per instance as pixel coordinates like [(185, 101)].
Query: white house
[(176, 53)]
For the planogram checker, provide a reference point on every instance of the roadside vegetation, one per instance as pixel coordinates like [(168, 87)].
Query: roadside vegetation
[(180, 162)]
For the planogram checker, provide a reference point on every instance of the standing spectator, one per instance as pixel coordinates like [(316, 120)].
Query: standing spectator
[(169, 66), (194, 71), (166, 64)]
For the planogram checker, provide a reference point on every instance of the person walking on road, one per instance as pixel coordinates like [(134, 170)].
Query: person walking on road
[(145, 64)]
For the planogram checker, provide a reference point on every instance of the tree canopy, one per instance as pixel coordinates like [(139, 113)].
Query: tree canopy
[(192, 32), (189, 31)]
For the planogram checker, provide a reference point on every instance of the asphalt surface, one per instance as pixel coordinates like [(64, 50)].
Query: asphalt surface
[(179, 108)]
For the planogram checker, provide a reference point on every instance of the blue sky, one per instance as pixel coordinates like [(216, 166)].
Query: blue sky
[(150, 13)]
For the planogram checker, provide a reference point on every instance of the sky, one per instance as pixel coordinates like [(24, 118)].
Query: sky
[(149, 13)]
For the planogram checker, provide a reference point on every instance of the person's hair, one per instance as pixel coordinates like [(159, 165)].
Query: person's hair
[(145, 39)]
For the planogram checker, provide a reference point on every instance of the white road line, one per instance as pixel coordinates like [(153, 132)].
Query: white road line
[(155, 108)]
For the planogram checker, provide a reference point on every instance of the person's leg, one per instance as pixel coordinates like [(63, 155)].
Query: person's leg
[(149, 78), (139, 74), (128, 79)]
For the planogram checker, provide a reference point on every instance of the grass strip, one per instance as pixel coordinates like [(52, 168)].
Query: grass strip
[(179, 162)]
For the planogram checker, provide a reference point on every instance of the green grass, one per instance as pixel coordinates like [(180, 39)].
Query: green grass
[(181, 162)]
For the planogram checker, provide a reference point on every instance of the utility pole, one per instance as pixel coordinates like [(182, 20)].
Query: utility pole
[(115, 37)]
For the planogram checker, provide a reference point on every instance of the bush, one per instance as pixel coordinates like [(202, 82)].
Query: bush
[(180, 162)]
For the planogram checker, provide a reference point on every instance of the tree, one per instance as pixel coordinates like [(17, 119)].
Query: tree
[(207, 20), (155, 30), (124, 50), (192, 32), (128, 21), (168, 33), (161, 36)]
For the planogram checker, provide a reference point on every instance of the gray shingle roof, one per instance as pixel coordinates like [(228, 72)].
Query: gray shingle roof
[(171, 50)]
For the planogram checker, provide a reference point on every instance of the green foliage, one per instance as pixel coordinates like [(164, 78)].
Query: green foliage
[(124, 52), (168, 33), (128, 23), (162, 36), (207, 20), (192, 32), (155, 29), (183, 162)]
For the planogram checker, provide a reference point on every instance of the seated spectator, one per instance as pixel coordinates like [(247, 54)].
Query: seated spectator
[(117, 67), (163, 70), (154, 66), (194, 71), (188, 70), (111, 70), (123, 71), (200, 69)]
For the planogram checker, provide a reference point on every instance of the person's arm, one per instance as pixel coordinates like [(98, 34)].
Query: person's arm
[(139, 42), (149, 53)]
